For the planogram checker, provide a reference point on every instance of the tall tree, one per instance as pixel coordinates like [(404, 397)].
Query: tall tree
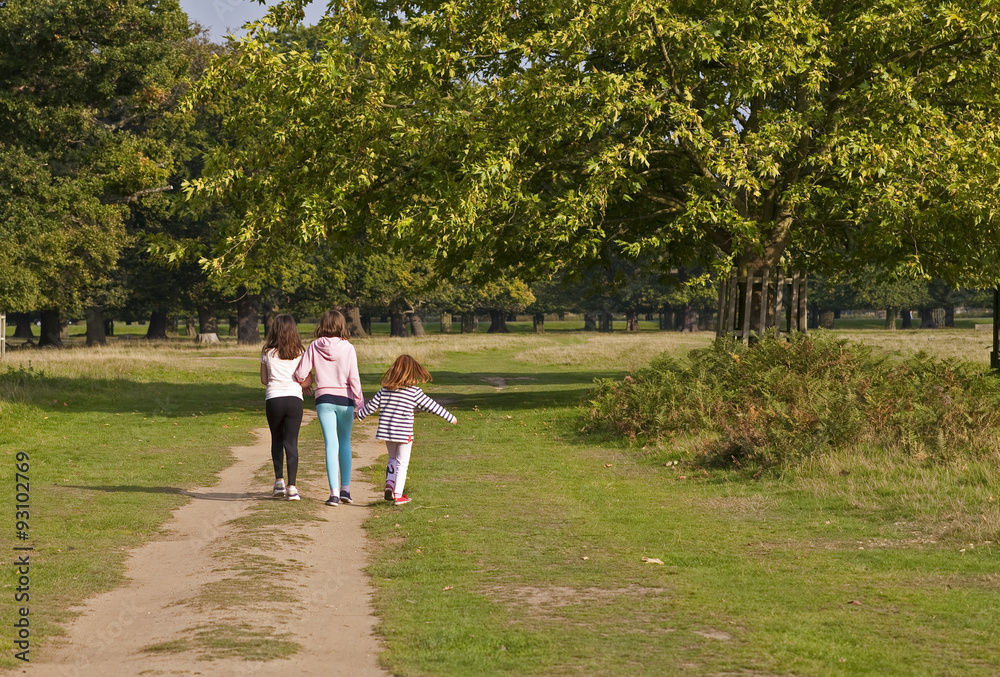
[(79, 82)]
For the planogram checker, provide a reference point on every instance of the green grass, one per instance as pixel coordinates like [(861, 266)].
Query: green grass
[(522, 552), (113, 436)]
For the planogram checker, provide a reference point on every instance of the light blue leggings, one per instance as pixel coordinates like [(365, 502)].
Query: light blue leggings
[(337, 421)]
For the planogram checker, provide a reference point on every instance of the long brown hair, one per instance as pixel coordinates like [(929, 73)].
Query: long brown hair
[(283, 336), (404, 372), (333, 323)]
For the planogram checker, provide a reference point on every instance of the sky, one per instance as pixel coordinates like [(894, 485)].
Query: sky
[(223, 16)]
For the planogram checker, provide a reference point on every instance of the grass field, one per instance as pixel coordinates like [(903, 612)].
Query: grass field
[(529, 547)]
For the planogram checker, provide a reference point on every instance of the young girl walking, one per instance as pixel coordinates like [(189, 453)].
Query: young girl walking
[(338, 395), (283, 400), (398, 397)]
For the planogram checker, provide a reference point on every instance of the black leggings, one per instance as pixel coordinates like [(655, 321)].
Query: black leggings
[(284, 417)]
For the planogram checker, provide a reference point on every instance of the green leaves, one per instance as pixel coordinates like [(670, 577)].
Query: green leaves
[(81, 84), (530, 135)]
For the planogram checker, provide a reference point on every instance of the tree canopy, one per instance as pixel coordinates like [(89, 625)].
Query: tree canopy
[(533, 133), (80, 85)]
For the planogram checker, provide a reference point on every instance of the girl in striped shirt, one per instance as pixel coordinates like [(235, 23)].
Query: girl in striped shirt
[(398, 397)]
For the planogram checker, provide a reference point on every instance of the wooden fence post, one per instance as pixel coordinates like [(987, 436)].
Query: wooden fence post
[(747, 305), (803, 303), (995, 355), (734, 290)]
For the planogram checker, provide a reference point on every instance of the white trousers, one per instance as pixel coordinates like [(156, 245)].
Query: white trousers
[(395, 470)]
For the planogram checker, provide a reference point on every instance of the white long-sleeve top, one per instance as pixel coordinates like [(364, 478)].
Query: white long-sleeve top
[(395, 421)]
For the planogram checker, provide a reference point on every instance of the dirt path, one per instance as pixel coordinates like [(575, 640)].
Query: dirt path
[(324, 606)]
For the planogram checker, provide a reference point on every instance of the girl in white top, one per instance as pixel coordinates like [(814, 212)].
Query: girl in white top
[(398, 398), (283, 400)]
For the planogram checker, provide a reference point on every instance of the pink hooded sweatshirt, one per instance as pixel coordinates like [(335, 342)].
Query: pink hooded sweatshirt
[(336, 365)]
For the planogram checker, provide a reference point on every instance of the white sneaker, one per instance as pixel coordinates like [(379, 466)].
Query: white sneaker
[(292, 493), (279, 488)]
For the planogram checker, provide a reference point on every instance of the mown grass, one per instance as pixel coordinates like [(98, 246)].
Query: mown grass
[(522, 552)]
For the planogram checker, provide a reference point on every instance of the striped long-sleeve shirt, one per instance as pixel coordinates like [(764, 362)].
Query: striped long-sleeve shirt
[(395, 421)]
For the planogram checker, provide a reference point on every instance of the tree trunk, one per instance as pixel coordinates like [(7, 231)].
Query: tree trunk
[(248, 320), (949, 315), (890, 318), (445, 323), (354, 324), (157, 325), (689, 321), (109, 327), (907, 319), (234, 324), (927, 318), (269, 310), (366, 324), (22, 325), (468, 322), (632, 320), (498, 322), (826, 319), (397, 324), (706, 322), (50, 333), (95, 326), (538, 320), (590, 320), (417, 324), (208, 325), (607, 322)]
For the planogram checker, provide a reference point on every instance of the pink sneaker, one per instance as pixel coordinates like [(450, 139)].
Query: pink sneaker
[(402, 499)]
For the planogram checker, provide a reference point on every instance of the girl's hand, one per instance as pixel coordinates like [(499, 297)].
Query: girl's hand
[(455, 422)]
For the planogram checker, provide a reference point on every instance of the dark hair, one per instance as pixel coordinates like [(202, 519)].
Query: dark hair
[(283, 336), (404, 372), (333, 323)]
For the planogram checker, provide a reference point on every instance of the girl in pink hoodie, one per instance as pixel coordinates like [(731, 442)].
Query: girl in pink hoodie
[(338, 395)]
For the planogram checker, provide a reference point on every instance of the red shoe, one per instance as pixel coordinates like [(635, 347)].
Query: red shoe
[(402, 499)]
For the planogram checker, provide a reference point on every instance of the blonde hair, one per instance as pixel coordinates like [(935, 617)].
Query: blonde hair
[(404, 372), (333, 323)]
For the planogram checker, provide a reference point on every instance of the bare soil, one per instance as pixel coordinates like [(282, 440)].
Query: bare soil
[(158, 623)]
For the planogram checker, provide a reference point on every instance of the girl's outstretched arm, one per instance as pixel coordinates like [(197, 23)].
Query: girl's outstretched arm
[(425, 403), (263, 374)]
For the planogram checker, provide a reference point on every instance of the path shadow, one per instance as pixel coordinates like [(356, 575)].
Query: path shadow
[(200, 495)]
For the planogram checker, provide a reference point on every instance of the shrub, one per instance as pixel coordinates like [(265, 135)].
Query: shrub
[(784, 399)]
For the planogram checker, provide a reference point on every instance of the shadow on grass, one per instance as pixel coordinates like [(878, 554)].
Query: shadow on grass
[(200, 495), (171, 400), (508, 391)]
